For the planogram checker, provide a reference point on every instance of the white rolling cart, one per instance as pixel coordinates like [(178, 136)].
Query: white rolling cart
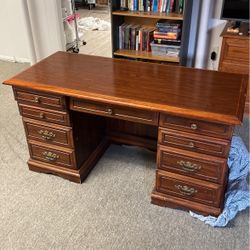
[(76, 41)]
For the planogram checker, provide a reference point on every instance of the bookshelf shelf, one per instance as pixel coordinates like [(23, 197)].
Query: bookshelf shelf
[(145, 55), (155, 15), (138, 27)]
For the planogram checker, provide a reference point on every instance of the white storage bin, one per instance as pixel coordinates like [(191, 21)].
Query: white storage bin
[(164, 50)]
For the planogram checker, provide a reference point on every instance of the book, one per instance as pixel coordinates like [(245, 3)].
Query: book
[(155, 5), (167, 42)]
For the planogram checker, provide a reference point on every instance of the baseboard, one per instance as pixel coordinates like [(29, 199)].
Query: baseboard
[(14, 59)]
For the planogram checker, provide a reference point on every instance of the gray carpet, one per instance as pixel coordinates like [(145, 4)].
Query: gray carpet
[(111, 210)]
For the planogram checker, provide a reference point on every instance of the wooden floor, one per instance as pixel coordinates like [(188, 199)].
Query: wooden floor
[(98, 42)]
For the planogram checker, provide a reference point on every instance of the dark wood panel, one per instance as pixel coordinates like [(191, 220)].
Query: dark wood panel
[(200, 166), (124, 113), (193, 142), (188, 188), (210, 95), (39, 99), (46, 115), (196, 126), (88, 133), (48, 132)]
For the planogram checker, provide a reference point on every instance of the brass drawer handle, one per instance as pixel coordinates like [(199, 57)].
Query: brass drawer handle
[(50, 156), (193, 126), (37, 99), (41, 115), (47, 135), (185, 190), (110, 111), (189, 166)]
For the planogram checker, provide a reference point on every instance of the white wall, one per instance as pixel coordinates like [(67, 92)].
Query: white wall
[(13, 33), (45, 20), (47, 27)]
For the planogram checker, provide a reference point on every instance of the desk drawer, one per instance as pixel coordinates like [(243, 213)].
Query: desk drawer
[(196, 126), (191, 164), (49, 133), (188, 188), (128, 114), (193, 142), (53, 155), (40, 99), (47, 115)]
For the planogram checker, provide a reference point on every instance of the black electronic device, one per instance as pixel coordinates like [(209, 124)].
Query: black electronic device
[(235, 10)]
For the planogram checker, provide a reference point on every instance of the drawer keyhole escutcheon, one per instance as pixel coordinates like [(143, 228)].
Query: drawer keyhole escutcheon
[(37, 99), (50, 156), (185, 190), (193, 126), (189, 166), (47, 135), (110, 111)]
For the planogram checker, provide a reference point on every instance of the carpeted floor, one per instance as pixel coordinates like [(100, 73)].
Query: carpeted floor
[(111, 210)]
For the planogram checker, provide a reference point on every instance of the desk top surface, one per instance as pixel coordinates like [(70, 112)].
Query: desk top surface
[(196, 93)]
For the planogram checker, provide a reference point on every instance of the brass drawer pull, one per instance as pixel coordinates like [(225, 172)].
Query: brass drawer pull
[(46, 135), (189, 166), (37, 99), (41, 115), (185, 190), (191, 145), (110, 111), (193, 126), (50, 156)]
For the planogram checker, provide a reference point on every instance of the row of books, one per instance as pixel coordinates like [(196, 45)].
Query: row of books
[(140, 38), (135, 37), (164, 6), (167, 38), (168, 30)]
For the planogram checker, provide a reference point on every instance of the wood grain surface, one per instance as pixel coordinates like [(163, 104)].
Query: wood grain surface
[(202, 94)]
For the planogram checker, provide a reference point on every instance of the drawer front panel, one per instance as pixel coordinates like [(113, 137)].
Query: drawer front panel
[(51, 134), (200, 144), (196, 126), (129, 114), (40, 99), (192, 164), (202, 192), (236, 50), (50, 155), (53, 116)]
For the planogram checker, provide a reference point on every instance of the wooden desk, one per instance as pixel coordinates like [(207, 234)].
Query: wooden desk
[(74, 106)]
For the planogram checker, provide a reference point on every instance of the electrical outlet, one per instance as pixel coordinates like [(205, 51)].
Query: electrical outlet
[(214, 53)]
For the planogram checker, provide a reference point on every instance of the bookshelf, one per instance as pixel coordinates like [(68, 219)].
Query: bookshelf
[(149, 19)]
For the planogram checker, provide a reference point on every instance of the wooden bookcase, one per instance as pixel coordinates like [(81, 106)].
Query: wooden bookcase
[(119, 17)]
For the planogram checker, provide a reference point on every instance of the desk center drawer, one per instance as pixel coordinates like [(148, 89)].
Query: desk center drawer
[(115, 111)]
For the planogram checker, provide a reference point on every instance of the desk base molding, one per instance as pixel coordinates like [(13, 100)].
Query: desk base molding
[(78, 175), (165, 200)]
